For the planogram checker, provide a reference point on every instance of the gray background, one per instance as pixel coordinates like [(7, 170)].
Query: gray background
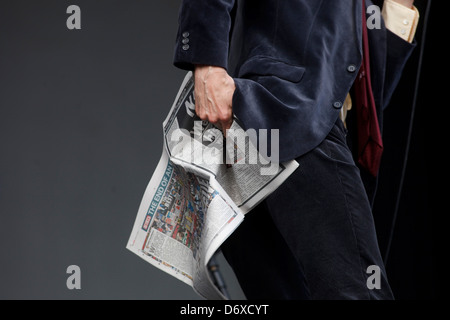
[(81, 116)]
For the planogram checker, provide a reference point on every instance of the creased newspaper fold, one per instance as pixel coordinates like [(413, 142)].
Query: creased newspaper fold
[(199, 193)]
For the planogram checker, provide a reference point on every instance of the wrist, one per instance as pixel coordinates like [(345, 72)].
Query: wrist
[(208, 68)]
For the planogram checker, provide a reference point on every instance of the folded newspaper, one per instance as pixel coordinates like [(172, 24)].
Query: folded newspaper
[(200, 192)]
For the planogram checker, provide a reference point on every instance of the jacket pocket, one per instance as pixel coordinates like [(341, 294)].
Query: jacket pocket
[(267, 66)]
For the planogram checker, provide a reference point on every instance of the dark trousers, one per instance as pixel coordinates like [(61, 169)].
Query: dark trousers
[(314, 237)]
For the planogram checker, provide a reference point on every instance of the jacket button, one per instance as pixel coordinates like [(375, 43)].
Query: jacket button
[(185, 34), (337, 105), (185, 47), (351, 68), (185, 41)]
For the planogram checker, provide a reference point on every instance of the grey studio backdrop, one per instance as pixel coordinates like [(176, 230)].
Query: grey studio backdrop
[(81, 116)]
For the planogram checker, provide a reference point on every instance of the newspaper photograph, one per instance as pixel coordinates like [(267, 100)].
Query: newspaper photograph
[(204, 184)]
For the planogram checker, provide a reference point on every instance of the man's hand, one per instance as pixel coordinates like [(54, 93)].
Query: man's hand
[(406, 3), (214, 90)]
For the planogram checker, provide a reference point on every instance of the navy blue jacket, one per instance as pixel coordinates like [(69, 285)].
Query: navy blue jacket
[(293, 61)]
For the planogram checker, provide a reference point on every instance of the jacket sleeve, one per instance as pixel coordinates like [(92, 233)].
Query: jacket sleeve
[(203, 33), (398, 53)]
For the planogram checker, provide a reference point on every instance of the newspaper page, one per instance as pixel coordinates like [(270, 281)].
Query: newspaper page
[(199, 193)]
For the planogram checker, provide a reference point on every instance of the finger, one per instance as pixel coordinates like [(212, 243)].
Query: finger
[(226, 125)]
